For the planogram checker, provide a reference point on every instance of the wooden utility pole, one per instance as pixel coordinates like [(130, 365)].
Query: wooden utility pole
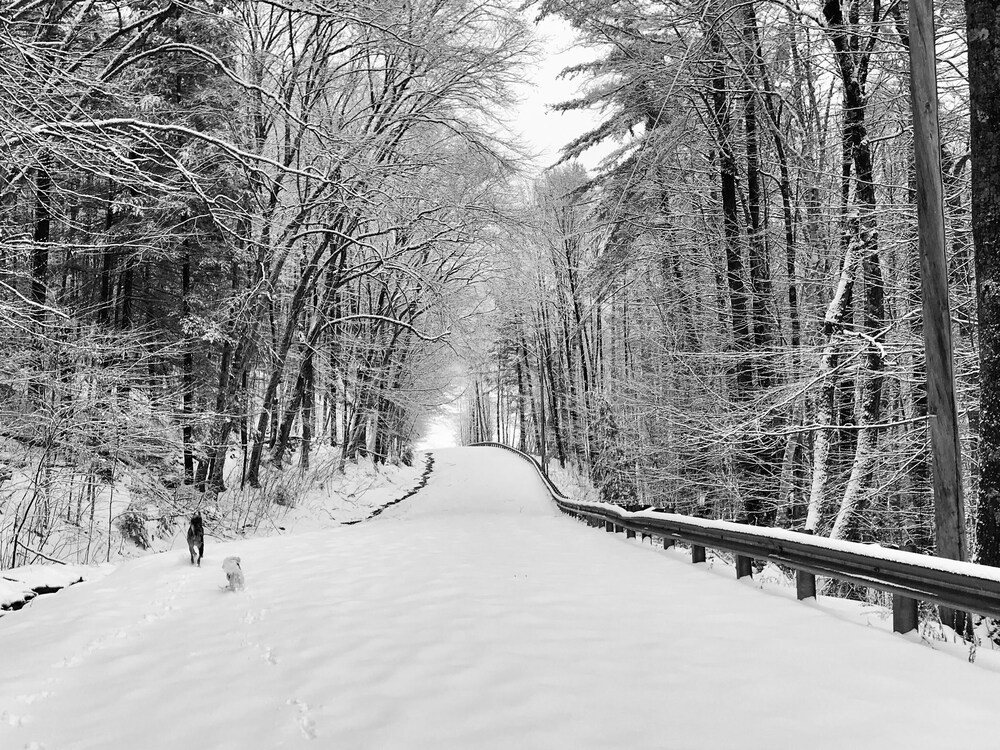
[(949, 505)]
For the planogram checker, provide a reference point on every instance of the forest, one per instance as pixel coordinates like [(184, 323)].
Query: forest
[(243, 239)]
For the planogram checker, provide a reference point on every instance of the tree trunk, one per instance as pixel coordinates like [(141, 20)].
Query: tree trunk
[(742, 336), (41, 237), (833, 327), (308, 408), (187, 428), (105, 311), (983, 22), (853, 70), (760, 495), (764, 322), (523, 395)]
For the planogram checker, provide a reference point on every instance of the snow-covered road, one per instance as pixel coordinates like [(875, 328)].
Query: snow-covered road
[(471, 616)]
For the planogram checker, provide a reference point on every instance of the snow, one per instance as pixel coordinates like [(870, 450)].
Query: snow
[(327, 497), (329, 494), (18, 584), (12, 592), (473, 615), (871, 550)]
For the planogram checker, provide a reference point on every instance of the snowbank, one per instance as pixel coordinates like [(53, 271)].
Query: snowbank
[(19, 585)]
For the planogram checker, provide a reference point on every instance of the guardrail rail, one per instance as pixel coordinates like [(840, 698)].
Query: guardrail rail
[(908, 576)]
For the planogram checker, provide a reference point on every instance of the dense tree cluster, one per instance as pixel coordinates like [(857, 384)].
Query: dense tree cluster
[(230, 223), (726, 317), (240, 229)]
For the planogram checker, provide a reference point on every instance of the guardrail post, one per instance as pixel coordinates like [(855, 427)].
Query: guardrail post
[(618, 529), (609, 527), (629, 534), (904, 608), (805, 582), (697, 553), (667, 542), (805, 585), (743, 567), (904, 614)]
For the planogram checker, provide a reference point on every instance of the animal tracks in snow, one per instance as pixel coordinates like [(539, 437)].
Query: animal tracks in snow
[(25, 699), (306, 725), (265, 652), (93, 646), (159, 608), (29, 699), (251, 616)]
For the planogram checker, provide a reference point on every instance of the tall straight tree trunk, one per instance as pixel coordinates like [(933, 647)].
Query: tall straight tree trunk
[(501, 427), (187, 428), (41, 237), (522, 418), (244, 417), (40, 254), (742, 336), (853, 67), (580, 338), (308, 409), (983, 22), (556, 420), (764, 321), (105, 312), (233, 365), (537, 406), (126, 318), (785, 190), (546, 354), (211, 476), (760, 496), (541, 422), (547, 373)]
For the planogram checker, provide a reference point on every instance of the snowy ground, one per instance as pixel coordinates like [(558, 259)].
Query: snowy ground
[(324, 496), (20, 584), (327, 497), (470, 616)]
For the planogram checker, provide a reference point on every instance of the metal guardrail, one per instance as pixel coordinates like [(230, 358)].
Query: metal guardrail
[(908, 576)]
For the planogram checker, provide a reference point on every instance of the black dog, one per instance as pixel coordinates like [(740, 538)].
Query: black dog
[(196, 539)]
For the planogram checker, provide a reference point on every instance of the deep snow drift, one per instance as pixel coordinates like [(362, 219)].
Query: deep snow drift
[(472, 615)]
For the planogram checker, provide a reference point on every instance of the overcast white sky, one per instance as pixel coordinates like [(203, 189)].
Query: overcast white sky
[(544, 130)]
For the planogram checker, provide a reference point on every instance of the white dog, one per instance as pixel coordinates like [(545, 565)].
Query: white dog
[(234, 573)]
